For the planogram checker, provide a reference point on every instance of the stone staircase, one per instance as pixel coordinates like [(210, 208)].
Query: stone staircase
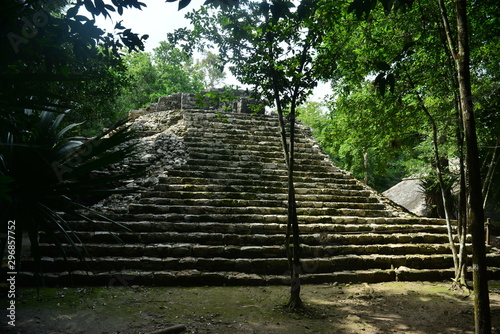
[(220, 218)]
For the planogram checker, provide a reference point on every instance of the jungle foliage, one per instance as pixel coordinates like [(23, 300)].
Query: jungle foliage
[(391, 69), (57, 63), (45, 173), (166, 71)]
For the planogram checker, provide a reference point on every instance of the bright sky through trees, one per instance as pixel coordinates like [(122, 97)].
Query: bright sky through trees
[(155, 20), (160, 18)]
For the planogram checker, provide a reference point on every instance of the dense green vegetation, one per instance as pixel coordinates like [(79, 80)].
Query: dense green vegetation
[(57, 64), (62, 60), (166, 71), (404, 57)]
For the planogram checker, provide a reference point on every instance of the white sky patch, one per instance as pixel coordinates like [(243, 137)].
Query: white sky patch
[(159, 18), (155, 20)]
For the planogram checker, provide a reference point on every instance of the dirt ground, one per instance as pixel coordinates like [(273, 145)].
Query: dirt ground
[(395, 307)]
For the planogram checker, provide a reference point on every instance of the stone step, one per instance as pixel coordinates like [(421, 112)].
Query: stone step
[(272, 186), (249, 148), (236, 207), (276, 203), (236, 251), (276, 164), (196, 116), (243, 130), (237, 123), (269, 239), (207, 151), (272, 170), (243, 155), (258, 127), (262, 266), (246, 154), (355, 226), (234, 176), (340, 195), (260, 219), (251, 141), (237, 179), (364, 210), (194, 277), (257, 124), (245, 192), (232, 131), (235, 132), (241, 148), (220, 188), (155, 197)]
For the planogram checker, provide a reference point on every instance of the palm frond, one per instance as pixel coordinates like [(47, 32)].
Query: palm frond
[(42, 171)]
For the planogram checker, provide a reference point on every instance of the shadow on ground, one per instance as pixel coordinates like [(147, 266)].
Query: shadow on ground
[(395, 307)]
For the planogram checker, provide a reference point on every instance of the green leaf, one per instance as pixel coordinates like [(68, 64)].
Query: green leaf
[(382, 66), (89, 5), (72, 11), (387, 4), (361, 7), (183, 4), (264, 7), (81, 18), (29, 173)]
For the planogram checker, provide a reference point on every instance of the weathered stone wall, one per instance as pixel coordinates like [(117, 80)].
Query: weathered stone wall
[(218, 100), (236, 101), (159, 147)]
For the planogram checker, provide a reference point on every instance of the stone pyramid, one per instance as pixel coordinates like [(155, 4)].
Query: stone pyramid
[(213, 212)]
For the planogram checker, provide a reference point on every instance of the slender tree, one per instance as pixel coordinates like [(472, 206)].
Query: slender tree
[(270, 45), (460, 51)]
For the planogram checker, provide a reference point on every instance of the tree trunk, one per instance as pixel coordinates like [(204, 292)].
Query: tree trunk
[(295, 301), (491, 171), (292, 229), (439, 171), (365, 165), (475, 212), (461, 279), (292, 222)]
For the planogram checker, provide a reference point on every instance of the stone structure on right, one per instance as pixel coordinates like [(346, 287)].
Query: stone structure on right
[(409, 194)]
